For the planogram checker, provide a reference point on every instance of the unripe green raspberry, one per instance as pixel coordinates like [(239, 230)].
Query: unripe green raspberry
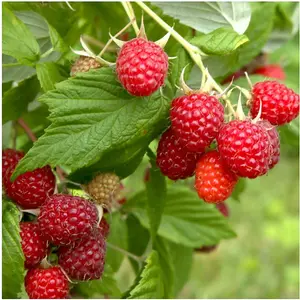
[(104, 188), (84, 64)]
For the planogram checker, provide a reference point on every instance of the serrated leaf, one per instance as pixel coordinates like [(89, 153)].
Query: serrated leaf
[(56, 40), (186, 220), (162, 246), (156, 196), (15, 101), (17, 40), (138, 239), (92, 115), (12, 254), (208, 16), (94, 289), (222, 41), (150, 283), (48, 74), (117, 237)]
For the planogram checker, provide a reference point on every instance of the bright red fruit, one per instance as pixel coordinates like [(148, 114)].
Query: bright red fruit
[(173, 159), (280, 104), (245, 147), (272, 71), (31, 189), (33, 246), (84, 260), (64, 219), (48, 283), (196, 120), (142, 67), (104, 227), (214, 182), (10, 159)]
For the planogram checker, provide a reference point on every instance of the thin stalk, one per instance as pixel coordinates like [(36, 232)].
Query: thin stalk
[(99, 44), (47, 53), (130, 13), (136, 258)]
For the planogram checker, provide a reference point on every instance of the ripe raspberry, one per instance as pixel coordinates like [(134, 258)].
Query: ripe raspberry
[(280, 104), (272, 71), (31, 189), (48, 283), (10, 159), (84, 64), (142, 67), (173, 159), (104, 227), (214, 182), (85, 259), (104, 188), (64, 219), (33, 246), (196, 120), (245, 148), (275, 142)]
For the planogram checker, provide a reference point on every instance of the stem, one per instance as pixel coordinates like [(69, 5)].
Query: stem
[(99, 44), (130, 13), (14, 135), (47, 53), (136, 258), (27, 129)]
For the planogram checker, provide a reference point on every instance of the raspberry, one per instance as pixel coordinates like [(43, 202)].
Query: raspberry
[(85, 259), (280, 104), (196, 120), (84, 64), (245, 148), (214, 181), (104, 188), (64, 219), (33, 246), (174, 160), (31, 189), (10, 159), (142, 67), (275, 142), (48, 283), (272, 71), (104, 227)]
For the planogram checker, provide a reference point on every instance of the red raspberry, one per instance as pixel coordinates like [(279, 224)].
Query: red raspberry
[(245, 148), (275, 142), (142, 67), (173, 159), (85, 259), (31, 189), (196, 120), (33, 246), (214, 181), (64, 219), (272, 71), (104, 227), (280, 104), (48, 283), (10, 159)]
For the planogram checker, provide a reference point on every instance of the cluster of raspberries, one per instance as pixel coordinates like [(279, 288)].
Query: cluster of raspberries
[(66, 224)]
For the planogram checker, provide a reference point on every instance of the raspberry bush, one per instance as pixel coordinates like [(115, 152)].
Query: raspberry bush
[(131, 140)]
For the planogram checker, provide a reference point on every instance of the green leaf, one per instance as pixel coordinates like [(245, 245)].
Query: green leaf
[(12, 254), (94, 289), (156, 196), (117, 237), (92, 115), (15, 101), (14, 71), (48, 74), (56, 40), (150, 281), (183, 60), (17, 40), (138, 239), (239, 189), (186, 220), (222, 41), (208, 16), (162, 246)]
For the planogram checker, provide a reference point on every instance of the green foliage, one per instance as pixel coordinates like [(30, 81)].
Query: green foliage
[(12, 254)]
